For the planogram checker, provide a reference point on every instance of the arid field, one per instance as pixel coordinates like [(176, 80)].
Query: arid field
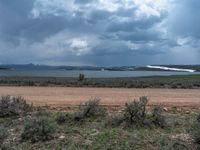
[(64, 125), (67, 96)]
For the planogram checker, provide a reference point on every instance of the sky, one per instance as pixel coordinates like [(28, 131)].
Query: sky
[(100, 32)]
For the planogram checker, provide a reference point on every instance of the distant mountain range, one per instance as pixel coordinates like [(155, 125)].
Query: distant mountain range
[(46, 67), (93, 68)]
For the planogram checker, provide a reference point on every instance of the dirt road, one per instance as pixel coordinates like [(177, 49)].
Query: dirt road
[(64, 96)]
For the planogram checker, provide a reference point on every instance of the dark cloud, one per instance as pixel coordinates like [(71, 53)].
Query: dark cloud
[(136, 36), (99, 32), (13, 14), (17, 22), (98, 15), (83, 1), (185, 20), (131, 25)]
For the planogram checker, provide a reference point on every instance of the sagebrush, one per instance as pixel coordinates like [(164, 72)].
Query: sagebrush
[(135, 112), (38, 129), (10, 106), (157, 118), (198, 117), (3, 135), (91, 108), (61, 117), (195, 131)]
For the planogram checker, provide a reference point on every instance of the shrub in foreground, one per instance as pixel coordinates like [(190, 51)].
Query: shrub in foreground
[(195, 131), (114, 121), (38, 129), (135, 112), (173, 144), (11, 106), (91, 108), (157, 118), (3, 135), (198, 117), (61, 117)]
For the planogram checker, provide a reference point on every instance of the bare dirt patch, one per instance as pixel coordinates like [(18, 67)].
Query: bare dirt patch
[(65, 96)]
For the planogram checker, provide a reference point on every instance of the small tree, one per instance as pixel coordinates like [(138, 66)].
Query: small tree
[(81, 77)]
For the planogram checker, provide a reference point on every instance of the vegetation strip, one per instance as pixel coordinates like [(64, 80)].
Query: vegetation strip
[(177, 81), (94, 127)]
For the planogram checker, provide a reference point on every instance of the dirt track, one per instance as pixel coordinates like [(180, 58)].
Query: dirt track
[(64, 96)]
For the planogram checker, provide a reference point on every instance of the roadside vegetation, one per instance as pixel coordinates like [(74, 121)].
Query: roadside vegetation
[(178, 81), (13, 106), (92, 126)]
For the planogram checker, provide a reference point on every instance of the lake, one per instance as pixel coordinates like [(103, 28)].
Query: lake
[(88, 74)]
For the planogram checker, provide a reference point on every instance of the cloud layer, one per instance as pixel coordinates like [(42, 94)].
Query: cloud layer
[(100, 32)]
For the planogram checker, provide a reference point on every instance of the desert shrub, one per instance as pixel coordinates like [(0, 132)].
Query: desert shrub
[(3, 135), (135, 112), (157, 118), (61, 117), (114, 120), (91, 108), (4, 106), (38, 129), (173, 144), (11, 106), (198, 117), (81, 77), (195, 131), (40, 111)]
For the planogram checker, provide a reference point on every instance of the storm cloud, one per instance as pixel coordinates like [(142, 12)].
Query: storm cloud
[(99, 32)]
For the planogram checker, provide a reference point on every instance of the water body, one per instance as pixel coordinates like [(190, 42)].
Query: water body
[(88, 74)]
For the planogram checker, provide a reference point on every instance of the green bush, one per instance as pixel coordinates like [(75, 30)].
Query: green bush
[(81, 77), (11, 106), (61, 117), (3, 135), (195, 131), (158, 118), (41, 112), (198, 117), (91, 108), (38, 129), (173, 144), (114, 121), (135, 112)]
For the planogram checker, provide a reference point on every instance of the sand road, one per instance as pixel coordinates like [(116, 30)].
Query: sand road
[(65, 96)]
